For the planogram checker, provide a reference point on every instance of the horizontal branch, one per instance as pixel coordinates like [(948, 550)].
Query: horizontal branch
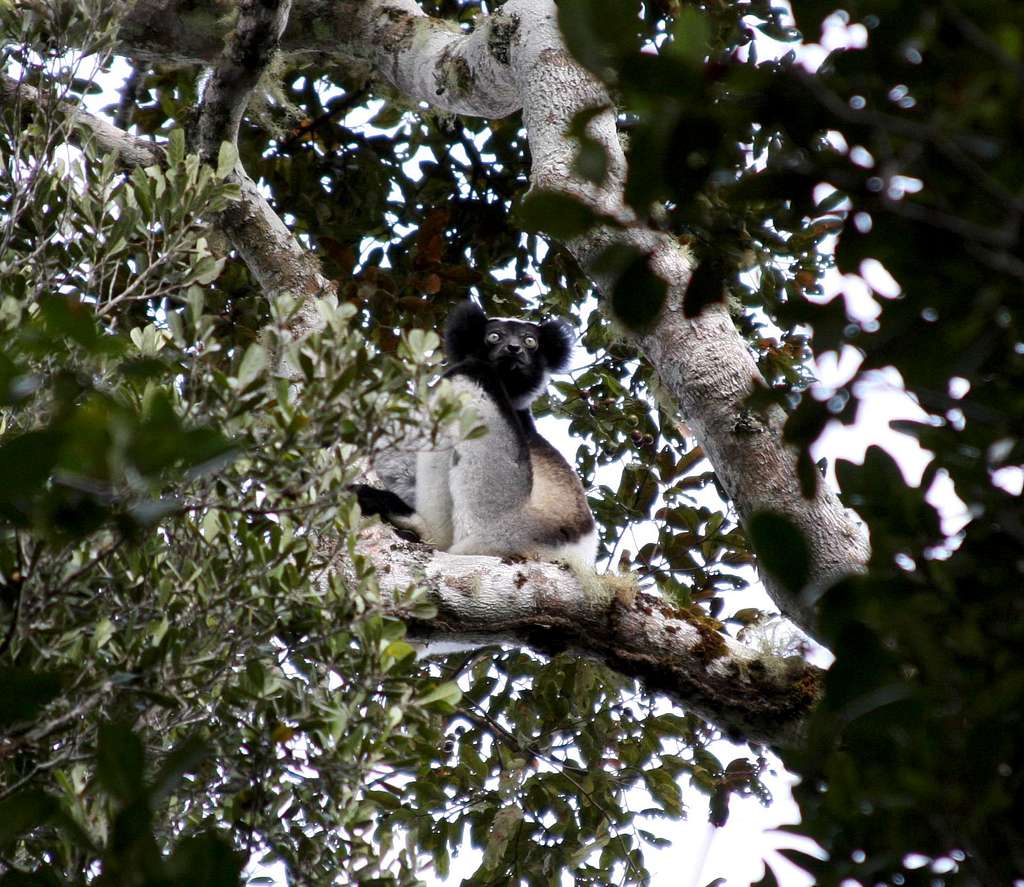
[(186, 33), (549, 608), (373, 36), (516, 58)]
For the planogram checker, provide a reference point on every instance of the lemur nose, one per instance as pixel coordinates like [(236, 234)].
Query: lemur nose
[(515, 347)]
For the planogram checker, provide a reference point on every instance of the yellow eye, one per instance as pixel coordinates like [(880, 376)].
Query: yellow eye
[(530, 342), (493, 337)]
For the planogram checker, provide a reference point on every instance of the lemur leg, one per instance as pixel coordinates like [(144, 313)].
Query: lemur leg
[(391, 507), (433, 497)]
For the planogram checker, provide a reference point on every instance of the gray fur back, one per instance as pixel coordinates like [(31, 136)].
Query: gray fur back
[(396, 469)]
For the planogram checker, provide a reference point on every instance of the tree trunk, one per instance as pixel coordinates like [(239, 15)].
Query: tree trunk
[(514, 59)]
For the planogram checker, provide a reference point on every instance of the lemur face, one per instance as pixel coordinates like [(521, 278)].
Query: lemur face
[(513, 344), (523, 353)]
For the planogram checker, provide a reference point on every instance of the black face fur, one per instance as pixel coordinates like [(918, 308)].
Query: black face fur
[(523, 353)]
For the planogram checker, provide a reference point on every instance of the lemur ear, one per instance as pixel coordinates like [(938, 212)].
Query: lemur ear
[(464, 331), (556, 343)]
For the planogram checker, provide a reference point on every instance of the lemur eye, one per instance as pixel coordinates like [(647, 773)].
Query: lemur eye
[(530, 342), (492, 338)]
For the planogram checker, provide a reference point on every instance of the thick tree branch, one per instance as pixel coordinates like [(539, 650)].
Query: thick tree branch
[(515, 58), (187, 33), (762, 698), (277, 260), (374, 35), (246, 54)]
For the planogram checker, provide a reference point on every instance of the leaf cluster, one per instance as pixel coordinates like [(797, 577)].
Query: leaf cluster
[(178, 561), (899, 150)]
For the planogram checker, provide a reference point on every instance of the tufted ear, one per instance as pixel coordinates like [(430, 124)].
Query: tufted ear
[(464, 331), (556, 344)]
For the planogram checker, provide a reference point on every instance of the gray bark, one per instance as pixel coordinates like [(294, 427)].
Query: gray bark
[(755, 696), (129, 150), (515, 58), (275, 257)]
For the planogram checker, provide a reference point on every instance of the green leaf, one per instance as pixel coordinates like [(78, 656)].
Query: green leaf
[(447, 692), (503, 830), (120, 762), (24, 693), (781, 549), (206, 860), (69, 317), (23, 812), (183, 758), (559, 215), (638, 294), (690, 36), (227, 158), (591, 159), (253, 363), (718, 807), (665, 790), (207, 270), (399, 650), (103, 632), (600, 32), (707, 284), (176, 147)]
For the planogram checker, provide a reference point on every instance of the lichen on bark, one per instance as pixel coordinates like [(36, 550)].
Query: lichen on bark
[(503, 30)]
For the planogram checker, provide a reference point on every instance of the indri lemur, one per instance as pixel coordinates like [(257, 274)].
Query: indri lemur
[(509, 492)]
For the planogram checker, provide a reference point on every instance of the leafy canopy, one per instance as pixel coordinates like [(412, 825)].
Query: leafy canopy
[(183, 685)]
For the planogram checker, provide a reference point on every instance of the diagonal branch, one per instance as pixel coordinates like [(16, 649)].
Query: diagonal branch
[(760, 697), (515, 58), (247, 53), (130, 150), (277, 260)]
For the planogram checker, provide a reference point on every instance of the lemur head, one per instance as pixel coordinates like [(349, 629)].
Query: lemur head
[(524, 353)]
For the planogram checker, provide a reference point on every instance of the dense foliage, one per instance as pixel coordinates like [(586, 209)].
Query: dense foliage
[(184, 683), (917, 746)]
